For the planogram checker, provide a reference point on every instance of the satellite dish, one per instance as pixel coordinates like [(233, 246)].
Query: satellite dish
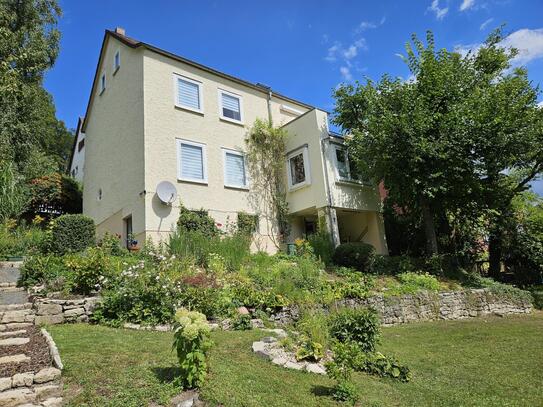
[(166, 192)]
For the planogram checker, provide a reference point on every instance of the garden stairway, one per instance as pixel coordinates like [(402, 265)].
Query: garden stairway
[(27, 375)]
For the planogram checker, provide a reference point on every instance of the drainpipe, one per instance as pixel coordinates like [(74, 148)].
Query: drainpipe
[(270, 94)]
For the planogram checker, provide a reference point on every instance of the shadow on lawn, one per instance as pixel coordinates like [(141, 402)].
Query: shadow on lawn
[(322, 391), (167, 374)]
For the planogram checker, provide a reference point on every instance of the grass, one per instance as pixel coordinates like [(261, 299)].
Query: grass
[(478, 362)]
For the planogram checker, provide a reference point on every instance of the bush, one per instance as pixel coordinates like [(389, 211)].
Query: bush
[(357, 325), (21, 240), (323, 247), (86, 271), (247, 224), (357, 255), (197, 221), (191, 341), (341, 369), (42, 270), (72, 233)]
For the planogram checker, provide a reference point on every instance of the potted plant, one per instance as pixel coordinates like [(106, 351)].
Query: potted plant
[(132, 243)]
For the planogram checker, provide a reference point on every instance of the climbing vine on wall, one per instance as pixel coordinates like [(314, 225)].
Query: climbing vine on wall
[(265, 161)]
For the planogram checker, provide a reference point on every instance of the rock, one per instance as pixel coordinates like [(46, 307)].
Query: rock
[(19, 358), (12, 333), (47, 391), (226, 324), (48, 309), (17, 325), (315, 368), (15, 316), (5, 383), (243, 311), (214, 326), (163, 328), (260, 349), (294, 366), (74, 312), (14, 341), (269, 339), (52, 402), (49, 319), (257, 323), (23, 379), (129, 325), (46, 375), (280, 333), (188, 398), (279, 361), (13, 398)]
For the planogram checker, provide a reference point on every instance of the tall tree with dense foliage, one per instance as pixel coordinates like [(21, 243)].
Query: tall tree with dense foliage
[(445, 141), (29, 46)]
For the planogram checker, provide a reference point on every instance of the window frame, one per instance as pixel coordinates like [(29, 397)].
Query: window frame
[(339, 178), (180, 142), (103, 82), (220, 92), (176, 78), (307, 169), (244, 156), (115, 66)]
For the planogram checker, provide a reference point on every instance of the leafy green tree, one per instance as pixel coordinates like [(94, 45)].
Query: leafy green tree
[(29, 45), (14, 196), (446, 142)]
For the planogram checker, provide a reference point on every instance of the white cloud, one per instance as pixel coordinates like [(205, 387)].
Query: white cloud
[(369, 25), (439, 12), (467, 4), (350, 52), (332, 51), (540, 105), (346, 73), (485, 24), (529, 44), (346, 53)]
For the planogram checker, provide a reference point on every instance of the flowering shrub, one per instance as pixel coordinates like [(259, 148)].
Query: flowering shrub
[(191, 341)]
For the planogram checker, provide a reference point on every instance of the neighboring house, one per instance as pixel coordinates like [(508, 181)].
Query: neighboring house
[(154, 116), (77, 158)]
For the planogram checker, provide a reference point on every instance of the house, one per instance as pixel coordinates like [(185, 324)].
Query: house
[(77, 157), (153, 116)]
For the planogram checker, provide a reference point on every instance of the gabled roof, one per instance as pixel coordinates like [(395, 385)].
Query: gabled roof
[(133, 43), (80, 121)]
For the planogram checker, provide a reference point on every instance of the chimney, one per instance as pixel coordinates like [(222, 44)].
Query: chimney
[(120, 30)]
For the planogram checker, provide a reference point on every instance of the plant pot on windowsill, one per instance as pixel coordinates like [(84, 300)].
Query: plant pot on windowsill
[(133, 246)]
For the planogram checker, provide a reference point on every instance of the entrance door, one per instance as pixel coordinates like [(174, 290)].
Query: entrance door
[(128, 230)]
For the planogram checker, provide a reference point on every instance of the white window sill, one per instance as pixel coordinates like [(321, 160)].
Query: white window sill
[(237, 187), (189, 109), (193, 181), (298, 186), (227, 119), (352, 182)]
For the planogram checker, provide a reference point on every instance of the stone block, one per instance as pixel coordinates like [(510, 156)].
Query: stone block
[(5, 383), (46, 391), (49, 319), (47, 375), (14, 316), (52, 402), (18, 358), (14, 341), (74, 312), (315, 368), (23, 379), (48, 309), (294, 366), (13, 398)]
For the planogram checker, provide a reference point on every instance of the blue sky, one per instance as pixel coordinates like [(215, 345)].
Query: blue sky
[(302, 49)]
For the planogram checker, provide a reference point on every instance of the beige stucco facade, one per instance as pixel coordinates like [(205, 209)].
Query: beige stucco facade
[(133, 127)]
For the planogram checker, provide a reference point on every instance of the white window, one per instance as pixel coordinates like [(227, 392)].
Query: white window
[(102, 82), (235, 169), (116, 61), (188, 94), (298, 170), (191, 158), (230, 106), (345, 171)]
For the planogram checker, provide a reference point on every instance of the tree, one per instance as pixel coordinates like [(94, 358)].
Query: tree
[(445, 142), (29, 45)]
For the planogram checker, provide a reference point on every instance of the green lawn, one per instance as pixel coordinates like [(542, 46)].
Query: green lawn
[(478, 362)]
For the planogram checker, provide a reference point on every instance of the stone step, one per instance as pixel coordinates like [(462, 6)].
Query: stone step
[(17, 316), (12, 288), (12, 333), (15, 307), (9, 273), (13, 297), (14, 341), (17, 358), (14, 326), (17, 397), (6, 285)]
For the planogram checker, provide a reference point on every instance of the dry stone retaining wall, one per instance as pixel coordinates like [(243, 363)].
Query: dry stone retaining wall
[(55, 311), (426, 306)]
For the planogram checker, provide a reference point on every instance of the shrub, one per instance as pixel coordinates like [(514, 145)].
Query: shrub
[(357, 255), (86, 271), (21, 240), (247, 224), (38, 270), (341, 369), (72, 233), (357, 325), (191, 341), (197, 221), (241, 322), (111, 244), (309, 350), (323, 247)]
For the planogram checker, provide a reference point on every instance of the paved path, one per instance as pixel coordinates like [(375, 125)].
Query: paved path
[(30, 389)]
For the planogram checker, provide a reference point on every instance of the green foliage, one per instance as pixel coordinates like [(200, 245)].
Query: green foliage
[(353, 284), (323, 247), (341, 369), (265, 161), (21, 240), (241, 322), (43, 270), (247, 224), (303, 248), (87, 270), (197, 221), (537, 293), (111, 244), (56, 191), (72, 233), (313, 328), (309, 350), (357, 255), (411, 283), (14, 197), (191, 341), (360, 326)]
